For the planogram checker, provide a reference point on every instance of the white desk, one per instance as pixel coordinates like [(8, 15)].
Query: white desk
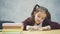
[(18, 31), (42, 32)]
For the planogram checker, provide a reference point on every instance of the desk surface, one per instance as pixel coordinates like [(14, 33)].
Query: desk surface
[(42, 32), (31, 32)]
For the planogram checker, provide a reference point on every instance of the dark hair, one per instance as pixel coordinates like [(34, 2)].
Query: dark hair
[(36, 9)]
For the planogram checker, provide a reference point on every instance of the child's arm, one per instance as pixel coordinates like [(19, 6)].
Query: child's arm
[(46, 28), (54, 25), (35, 28)]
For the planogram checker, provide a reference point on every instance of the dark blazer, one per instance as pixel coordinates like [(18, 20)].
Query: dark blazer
[(46, 22)]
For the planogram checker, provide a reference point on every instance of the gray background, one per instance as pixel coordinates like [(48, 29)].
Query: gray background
[(19, 10)]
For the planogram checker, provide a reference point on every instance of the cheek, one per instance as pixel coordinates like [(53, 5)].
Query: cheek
[(36, 18), (39, 19)]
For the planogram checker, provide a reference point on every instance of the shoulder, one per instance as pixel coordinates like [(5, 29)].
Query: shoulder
[(29, 19), (54, 25), (51, 22)]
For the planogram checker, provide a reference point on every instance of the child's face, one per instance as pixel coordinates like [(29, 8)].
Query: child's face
[(39, 17)]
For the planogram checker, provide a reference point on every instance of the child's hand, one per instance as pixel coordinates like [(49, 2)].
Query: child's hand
[(32, 28), (35, 28), (29, 27), (46, 28)]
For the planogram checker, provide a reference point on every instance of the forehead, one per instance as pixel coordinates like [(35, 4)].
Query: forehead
[(41, 14)]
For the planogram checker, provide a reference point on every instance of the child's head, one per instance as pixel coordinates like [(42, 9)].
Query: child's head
[(40, 13)]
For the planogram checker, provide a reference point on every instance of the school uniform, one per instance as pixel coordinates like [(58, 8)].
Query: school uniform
[(46, 22)]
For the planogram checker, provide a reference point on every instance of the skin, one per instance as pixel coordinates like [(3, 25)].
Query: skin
[(39, 17)]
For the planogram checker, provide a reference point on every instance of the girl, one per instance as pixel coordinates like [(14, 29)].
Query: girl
[(40, 20)]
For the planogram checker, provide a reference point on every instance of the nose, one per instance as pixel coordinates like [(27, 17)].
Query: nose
[(39, 19)]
